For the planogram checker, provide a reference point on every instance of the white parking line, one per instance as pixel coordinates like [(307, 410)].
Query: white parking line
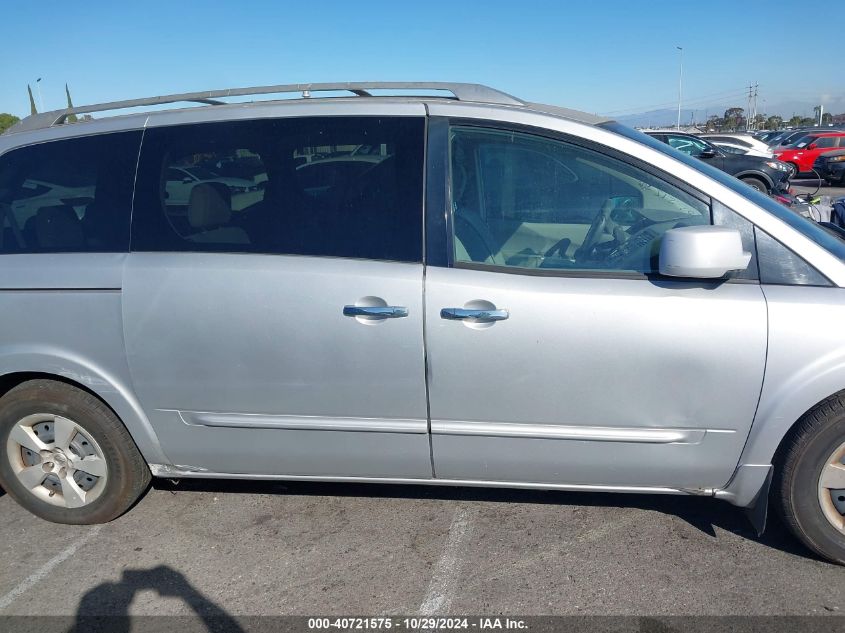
[(441, 589), (47, 567)]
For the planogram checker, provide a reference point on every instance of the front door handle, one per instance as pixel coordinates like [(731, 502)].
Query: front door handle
[(376, 312), (459, 314)]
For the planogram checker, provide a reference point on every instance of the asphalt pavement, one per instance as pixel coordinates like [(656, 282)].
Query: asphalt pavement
[(812, 185), (258, 548)]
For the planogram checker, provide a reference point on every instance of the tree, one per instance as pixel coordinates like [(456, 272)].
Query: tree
[(795, 121), (7, 121), (32, 108), (734, 118), (715, 122), (827, 118), (774, 122), (72, 118)]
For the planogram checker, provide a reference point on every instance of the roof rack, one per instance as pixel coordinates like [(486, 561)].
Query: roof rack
[(461, 92)]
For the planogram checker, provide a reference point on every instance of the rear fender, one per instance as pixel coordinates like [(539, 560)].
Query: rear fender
[(114, 391)]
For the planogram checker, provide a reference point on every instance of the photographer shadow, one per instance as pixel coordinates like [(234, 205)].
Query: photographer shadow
[(105, 608)]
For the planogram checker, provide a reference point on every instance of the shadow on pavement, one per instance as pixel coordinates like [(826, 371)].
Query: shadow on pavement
[(703, 513), (105, 607)]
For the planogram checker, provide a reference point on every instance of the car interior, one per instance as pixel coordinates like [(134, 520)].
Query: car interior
[(324, 205), (531, 203)]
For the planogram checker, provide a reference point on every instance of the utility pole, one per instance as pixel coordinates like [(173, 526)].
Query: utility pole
[(821, 114), (754, 117), (680, 82), (748, 107)]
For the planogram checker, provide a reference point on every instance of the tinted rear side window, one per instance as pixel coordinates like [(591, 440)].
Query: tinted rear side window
[(72, 195), (335, 186)]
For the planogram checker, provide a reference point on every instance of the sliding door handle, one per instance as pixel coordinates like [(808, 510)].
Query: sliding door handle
[(460, 314), (376, 312)]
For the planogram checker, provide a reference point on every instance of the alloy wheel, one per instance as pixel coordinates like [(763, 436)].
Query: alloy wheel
[(832, 488), (57, 460)]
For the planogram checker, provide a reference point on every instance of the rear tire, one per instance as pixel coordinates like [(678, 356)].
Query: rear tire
[(79, 435), (808, 475), (755, 183)]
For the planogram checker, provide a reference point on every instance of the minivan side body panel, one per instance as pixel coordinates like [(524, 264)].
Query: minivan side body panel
[(808, 377), (246, 363), (65, 315), (61, 315)]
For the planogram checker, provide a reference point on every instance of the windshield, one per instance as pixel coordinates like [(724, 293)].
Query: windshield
[(801, 142), (810, 229), (775, 140), (201, 173)]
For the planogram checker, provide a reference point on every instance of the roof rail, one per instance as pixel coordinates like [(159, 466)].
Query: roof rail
[(461, 92)]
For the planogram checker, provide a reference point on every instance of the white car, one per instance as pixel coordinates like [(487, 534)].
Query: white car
[(37, 194), (742, 140), (181, 180), (736, 148)]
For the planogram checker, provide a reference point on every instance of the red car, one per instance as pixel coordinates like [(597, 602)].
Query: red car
[(801, 155)]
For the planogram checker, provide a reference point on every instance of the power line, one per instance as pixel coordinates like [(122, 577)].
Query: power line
[(698, 100)]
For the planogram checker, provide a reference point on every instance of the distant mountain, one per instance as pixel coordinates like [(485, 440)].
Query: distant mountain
[(669, 116), (664, 117)]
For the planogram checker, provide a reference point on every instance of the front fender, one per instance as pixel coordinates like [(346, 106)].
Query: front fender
[(805, 362), (761, 175), (113, 389)]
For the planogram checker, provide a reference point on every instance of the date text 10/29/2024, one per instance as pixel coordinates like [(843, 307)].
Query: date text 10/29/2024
[(415, 624)]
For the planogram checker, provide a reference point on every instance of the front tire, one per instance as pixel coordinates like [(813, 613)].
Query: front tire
[(756, 183), (65, 456), (810, 480)]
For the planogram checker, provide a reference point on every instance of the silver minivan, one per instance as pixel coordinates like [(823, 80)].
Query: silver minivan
[(418, 283)]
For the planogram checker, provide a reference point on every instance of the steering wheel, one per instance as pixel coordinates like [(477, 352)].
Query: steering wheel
[(602, 225), (559, 248)]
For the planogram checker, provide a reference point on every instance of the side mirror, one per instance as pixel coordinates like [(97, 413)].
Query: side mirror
[(811, 146), (702, 252), (187, 180), (708, 153)]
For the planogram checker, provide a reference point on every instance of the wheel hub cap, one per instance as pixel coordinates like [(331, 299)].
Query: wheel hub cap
[(832, 488), (57, 460)]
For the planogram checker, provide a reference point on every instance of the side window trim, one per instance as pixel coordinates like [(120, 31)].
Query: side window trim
[(768, 276), (447, 243), (437, 227)]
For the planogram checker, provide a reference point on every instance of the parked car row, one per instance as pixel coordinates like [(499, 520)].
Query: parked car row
[(763, 173), (767, 160), (813, 152), (831, 166), (802, 154)]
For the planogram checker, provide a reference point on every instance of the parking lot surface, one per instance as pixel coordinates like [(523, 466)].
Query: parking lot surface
[(811, 186), (256, 548)]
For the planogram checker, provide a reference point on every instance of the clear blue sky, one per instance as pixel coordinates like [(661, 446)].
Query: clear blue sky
[(609, 56)]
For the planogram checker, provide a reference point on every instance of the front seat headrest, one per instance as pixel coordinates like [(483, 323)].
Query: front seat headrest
[(58, 227), (210, 205)]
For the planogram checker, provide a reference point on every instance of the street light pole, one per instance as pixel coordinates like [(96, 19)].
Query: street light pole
[(680, 82), (38, 86)]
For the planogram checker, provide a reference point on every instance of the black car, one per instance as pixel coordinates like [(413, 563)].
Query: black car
[(764, 174), (831, 166), (791, 137)]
